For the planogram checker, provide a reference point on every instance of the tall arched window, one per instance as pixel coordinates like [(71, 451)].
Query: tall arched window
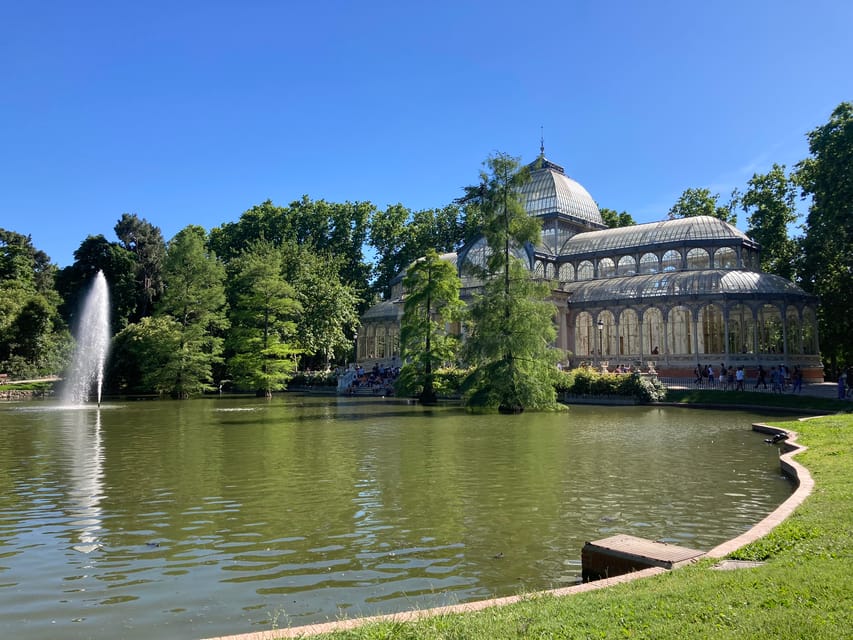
[(711, 330), (679, 331), (606, 268), (539, 270), (567, 272), (671, 261), (653, 329), (725, 258), (794, 331), (809, 331), (629, 333), (585, 270), (585, 338), (549, 270), (627, 266), (649, 263), (607, 341), (741, 330), (769, 329), (698, 259)]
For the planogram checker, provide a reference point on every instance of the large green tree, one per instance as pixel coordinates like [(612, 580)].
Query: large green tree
[(145, 242), (614, 219), (701, 202), (194, 297), (431, 302), (261, 342), (34, 340), (826, 177), (511, 322), (770, 203)]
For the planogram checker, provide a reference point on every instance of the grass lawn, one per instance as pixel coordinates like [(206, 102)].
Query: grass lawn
[(804, 591)]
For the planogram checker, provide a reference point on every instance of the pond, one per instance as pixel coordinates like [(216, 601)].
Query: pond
[(218, 516)]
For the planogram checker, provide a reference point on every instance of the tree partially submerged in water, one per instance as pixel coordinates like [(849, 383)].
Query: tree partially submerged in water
[(512, 322)]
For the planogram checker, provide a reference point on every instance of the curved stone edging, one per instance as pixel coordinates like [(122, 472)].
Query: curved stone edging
[(790, 468)]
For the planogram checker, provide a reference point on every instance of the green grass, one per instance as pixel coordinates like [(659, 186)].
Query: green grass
[(29, 386), (758, 399), (804, 591)]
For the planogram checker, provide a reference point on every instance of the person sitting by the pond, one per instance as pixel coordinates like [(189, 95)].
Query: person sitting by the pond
[(761, 378), (655, 351), (739, 376)]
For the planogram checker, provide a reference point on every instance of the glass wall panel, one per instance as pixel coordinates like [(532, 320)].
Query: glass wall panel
[(653, 331), (698, 259), (606, 268), (794, 331), (549, 270), (585, 270), (585, 340), (629, 333), (649, 263), (627, 266), (679, 331), (567, 272), (539, 270), (607, 339), (725, 258), (769, 329), (741, 330), (671, 261), (809, 331), (711, 330)]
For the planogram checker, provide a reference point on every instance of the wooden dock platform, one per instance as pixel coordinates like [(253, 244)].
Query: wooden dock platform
[(622, 554)]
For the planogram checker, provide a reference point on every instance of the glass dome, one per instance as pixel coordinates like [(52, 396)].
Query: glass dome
[(551, 191)]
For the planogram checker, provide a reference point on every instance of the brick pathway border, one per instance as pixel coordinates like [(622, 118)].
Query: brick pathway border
[(797, 472)]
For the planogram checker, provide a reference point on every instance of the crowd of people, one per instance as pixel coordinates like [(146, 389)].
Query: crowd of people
[(781, 378), (379, 380)]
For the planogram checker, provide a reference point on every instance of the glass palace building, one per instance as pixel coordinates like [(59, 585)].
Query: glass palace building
[(675, 293)]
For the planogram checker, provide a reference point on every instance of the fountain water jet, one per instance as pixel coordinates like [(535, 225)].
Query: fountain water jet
[(93, 340)]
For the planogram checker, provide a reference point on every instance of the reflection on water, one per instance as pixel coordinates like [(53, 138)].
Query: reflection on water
[(211, 517)]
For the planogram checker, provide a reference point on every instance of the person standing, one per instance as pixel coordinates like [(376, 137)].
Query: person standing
[(739, 376)]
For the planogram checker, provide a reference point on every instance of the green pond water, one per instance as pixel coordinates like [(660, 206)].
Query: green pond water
[(218, 516)]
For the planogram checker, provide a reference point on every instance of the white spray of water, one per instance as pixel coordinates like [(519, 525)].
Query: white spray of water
[(93, 340)]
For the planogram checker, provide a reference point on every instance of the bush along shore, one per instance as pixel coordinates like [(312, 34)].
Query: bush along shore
[(804, 589)]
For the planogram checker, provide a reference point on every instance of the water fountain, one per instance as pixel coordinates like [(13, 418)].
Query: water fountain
[(93, 340)]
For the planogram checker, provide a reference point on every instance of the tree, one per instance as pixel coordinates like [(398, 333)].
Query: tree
[(145, 242), (512, 323), (34, 340), (263, 311), (194, 297), (827, 265), (431, 301), (143, 356), (769, 202), (329, 319), (613, 219), (700, 202)]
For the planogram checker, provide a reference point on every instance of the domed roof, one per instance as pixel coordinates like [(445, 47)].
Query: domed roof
[(551, 191)]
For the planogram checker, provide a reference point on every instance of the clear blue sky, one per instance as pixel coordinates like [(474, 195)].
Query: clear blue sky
[(192, 112)]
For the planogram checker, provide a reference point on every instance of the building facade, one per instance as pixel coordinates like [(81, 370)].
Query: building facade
[(675, 293)]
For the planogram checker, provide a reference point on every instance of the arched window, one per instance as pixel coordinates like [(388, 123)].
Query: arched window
[(698, 259), (711, 330), (629, 333), (549, 270), (769, 329), (539, 269), (585, 338), (741, 330), (585, 270), (653, 332), (679, 331), (671, 261), (809, 331), (627, 266), (794, 331), (725, 258), (607, 342), (567, 272), (606, 268), (649, 263)]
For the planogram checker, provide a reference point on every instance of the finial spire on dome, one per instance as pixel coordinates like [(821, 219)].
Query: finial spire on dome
[(541, 141)]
